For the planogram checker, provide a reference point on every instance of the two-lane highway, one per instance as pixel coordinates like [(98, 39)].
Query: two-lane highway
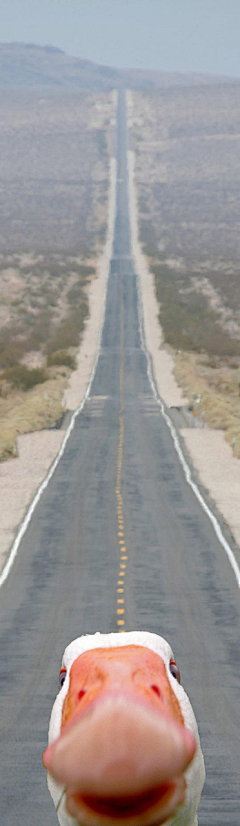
[(118, 541)]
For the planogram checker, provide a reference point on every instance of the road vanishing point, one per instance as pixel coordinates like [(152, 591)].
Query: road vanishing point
[(119, 541)]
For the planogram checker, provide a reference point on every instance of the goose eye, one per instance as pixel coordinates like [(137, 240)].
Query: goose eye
[(62, 677), (174, 670)]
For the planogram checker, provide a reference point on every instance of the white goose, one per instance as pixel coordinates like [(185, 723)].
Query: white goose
[(123, 740)]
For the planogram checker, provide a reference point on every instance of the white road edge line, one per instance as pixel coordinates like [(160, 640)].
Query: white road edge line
[(13, 553), (186, 468), (107, 251)]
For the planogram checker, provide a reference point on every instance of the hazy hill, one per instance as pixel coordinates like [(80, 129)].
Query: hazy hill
[(25, 65)]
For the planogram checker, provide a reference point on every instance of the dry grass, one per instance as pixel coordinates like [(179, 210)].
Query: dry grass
[(33, 410), (187, 152), (207, 358), (54, 172), (45, 304), (38, 300), (187, 320), (213, 392), (62, 357)]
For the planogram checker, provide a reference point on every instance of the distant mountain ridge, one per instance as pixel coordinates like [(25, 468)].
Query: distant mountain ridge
[(28, 66)]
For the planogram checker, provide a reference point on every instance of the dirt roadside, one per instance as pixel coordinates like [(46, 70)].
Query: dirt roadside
[(21, 477), (217, 468), (212, 457)]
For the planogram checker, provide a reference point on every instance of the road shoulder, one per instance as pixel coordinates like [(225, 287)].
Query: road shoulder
[(218, 470), (21, 477)]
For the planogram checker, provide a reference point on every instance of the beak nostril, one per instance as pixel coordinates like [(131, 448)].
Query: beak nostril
[(81, 694), (156, 689)]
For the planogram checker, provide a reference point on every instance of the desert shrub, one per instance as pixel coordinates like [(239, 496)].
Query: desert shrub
[(20, 376), (188, 323), (75, 294), (143, 207), (102, 198), (8, 446), (40, 331), (68, 333), (60, 358), (100, 137), (84, 270), (148, 236), (10, 355), (217, 341), (35, 302), (212, 362), (54, 269), (66, 336), (102, 233)]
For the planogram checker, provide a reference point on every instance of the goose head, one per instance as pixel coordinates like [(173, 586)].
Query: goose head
[(123, 740)]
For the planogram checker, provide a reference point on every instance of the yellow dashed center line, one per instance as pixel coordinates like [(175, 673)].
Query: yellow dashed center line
[(119, 502)]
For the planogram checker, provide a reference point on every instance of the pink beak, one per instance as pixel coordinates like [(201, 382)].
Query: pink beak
[(121, 758)]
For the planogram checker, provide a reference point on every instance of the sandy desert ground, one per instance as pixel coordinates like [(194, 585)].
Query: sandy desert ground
[(21, 477), (218, 470)]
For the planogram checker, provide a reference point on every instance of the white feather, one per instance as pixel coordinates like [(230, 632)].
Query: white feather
[(195, 774)]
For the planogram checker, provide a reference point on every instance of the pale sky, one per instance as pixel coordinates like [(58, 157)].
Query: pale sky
[(170, 35)]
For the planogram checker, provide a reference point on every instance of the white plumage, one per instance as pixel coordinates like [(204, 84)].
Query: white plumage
[(184, 814)]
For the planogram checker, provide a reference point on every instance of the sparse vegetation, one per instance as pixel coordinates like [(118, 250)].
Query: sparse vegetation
[(213, 392), (10, 353), (62, 357), (76, 293), (187, 322), (207, 359), (25, 412), (46, 307), (188, 181), (20, 376), (54, 158), (54, 167), (68, 332), (101, 142)]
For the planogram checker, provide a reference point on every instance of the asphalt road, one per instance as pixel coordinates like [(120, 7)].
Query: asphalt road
[(118, 510)]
